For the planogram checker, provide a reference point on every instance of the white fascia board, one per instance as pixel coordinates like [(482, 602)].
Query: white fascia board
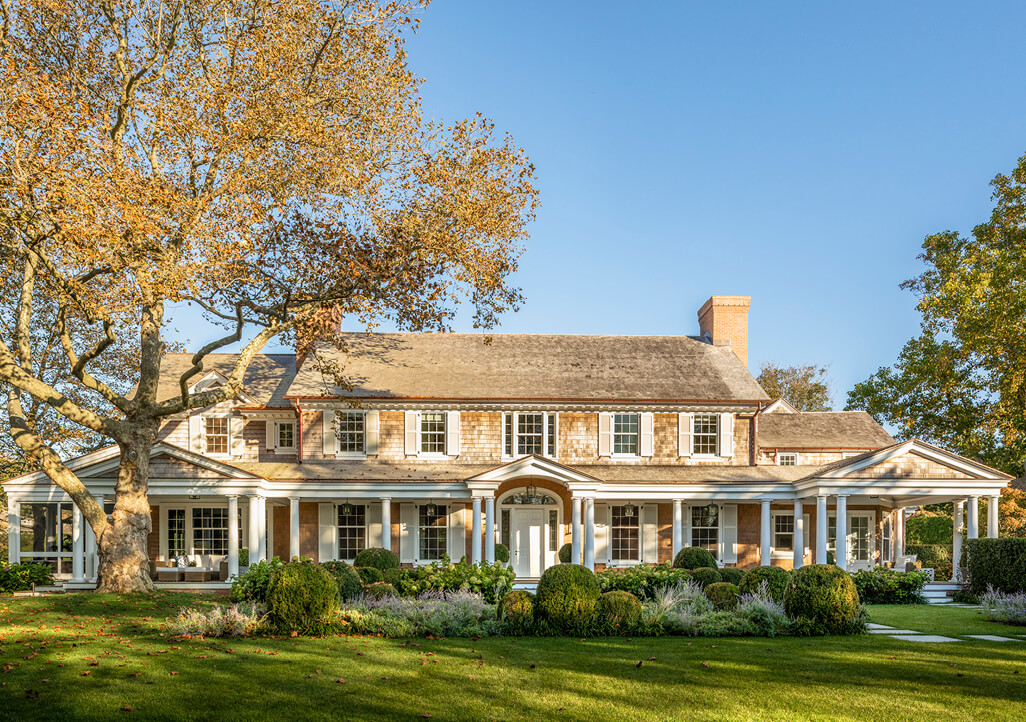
[(534, 466), (944, 458), (903, 487), (704, 492)]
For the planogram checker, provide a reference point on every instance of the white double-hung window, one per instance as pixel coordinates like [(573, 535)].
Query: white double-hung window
[(529, 432), (431, 433), (350, 433)]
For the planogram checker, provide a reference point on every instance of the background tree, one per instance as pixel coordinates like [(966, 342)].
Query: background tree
[(804, 387), (267, 162)]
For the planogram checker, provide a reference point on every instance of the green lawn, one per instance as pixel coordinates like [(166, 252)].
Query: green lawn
[(86, 656)]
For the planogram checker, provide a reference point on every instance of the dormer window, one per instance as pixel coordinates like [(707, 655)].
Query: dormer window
[(529, 432), (285, 435), (787, 459), (216, 434)]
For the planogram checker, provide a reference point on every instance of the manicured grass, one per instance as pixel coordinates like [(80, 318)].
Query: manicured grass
[(941, 619), (87, 656)]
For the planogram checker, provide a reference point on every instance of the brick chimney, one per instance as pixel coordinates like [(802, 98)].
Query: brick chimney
[(725, 319)]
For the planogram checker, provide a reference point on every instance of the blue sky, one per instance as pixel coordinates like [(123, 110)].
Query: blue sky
[(797, 153)]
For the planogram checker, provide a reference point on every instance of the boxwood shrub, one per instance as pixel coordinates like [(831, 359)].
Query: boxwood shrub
[(380, 590), (775, 578), (886, 586), (516, 611), (732, 575), (822, 599), (349, 583), (502, 553), (642, 580), (723, 595), (302, 597), (377, 558), (706, 576), (253, 585), (694, 558), (999, 563), (567, 599), (565, 552), (370, 575), (619, 612)]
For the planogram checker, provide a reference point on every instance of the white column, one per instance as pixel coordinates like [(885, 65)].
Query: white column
[(821, 529), (233, 536), (90, 552), (956, 548), (765, 535), (13, 531), (841, 553), (490, 529), (386, 523), (899, 534), (992, 517), (678, 527), (77, 545), (589, 533), (475, 539), (293, 526), (575, 532), (254, 530), (262, 519), (974, 517), (799, 534)]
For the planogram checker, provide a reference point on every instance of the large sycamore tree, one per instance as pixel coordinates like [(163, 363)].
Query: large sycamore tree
[(267, 161)]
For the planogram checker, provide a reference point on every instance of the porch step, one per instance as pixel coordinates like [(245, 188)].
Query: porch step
[(527, 585), (939, 592)]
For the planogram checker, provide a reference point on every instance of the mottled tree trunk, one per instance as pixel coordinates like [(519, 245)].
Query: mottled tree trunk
[(124, 562)]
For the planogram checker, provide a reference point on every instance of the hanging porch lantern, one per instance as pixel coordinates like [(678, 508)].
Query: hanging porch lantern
[(430, 508), (629, 510), (347, 509)]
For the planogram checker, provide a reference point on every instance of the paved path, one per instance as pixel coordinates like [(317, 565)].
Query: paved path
[(910, 635)]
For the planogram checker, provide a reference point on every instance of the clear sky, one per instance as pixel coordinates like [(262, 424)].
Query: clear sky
[(794, 152)]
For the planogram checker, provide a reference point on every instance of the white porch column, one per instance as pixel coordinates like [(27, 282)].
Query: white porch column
[(799, 534), (490, 529), (293, 526), (821, 529), (899, 533), (254, 530), (992, 517), (386, 523), (956, 546), (262, 519), (589, 533), (678, 527), (90, 552), (841, 553), (974, 517), (233, 536), (575, 532), (77, 545), (475, 539), (13, 531), (765, 535)]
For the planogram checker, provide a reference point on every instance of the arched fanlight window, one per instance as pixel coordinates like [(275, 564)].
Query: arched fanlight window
[(526, 497)]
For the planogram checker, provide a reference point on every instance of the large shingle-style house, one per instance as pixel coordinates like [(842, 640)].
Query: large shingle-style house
[(626, 447)]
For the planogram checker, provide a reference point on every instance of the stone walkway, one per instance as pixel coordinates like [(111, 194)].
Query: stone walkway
[(911, 635)]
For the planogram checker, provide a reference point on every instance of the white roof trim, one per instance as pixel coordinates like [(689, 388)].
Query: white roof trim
[(933, 453), (215, 375), (780, 406), (537, 466)]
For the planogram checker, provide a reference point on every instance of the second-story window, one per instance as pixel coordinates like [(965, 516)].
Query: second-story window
[(286, 438), (350, 432), (216, 434), (529, 433), (432, 433), (626, 429), (707, 427)]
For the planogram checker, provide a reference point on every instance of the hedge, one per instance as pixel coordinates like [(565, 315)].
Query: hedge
[(302, 597), (775, 578), (933, 556), (642, 580), (887, 586), (706, 576), (1000, 563), (732, 575), (349, 583)]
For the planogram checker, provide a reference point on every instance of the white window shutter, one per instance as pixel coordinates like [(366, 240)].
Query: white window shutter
[(372, 429), (452, 433), (605, 440), (271, 427), (412, 426), (374, 531), (407, 524), (196, 440), (650, 533), (326, 529), (685, 434), (601, 534), (238, 444), (457, 541), (330, 441), (726, 434), (728, 534), (647, 434)]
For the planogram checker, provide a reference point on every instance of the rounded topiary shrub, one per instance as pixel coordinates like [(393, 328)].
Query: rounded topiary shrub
[(517, 613), (302, 596), (393, 577), (825, 598), (732, 575), (349, 583), (565, 553), (619, 611), (567, 598), (376, 558), (502, 553), (694, 558), (706, 576), (723, 595), (380, 590), (370, 575), (775, 578)]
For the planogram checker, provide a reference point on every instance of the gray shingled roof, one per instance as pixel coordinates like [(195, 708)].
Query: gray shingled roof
[(266, 380), (822, 430), (523, 366)]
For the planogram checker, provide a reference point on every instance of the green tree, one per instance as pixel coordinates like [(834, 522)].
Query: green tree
[(804, 387)]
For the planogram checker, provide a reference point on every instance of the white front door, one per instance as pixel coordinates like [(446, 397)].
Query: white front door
[(860, 541), (528, 542)]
